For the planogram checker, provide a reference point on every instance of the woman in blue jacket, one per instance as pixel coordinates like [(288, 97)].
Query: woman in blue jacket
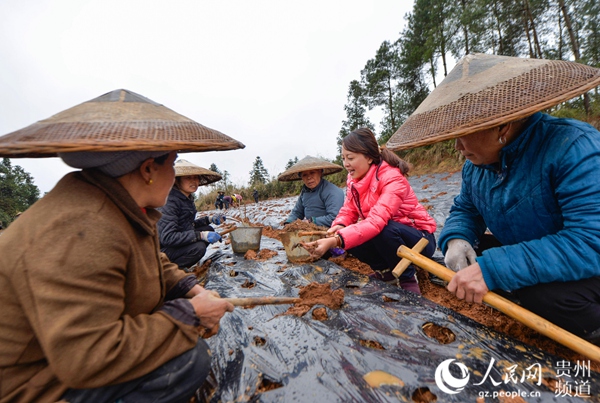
[(319, 200), (183, 238), (527, 219)]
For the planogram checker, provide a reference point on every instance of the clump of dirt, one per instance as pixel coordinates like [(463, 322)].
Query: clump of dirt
[(297, 225), (440, 333), (250, 255), (262, 255), (313, 294), (371, 344), (272, 233), (320, 313), (300, 225), (352, 263)]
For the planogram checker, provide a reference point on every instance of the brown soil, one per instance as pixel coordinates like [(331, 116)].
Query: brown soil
[(480, 313), (320, 313), (297, 225), (262, 255), (313, 294)]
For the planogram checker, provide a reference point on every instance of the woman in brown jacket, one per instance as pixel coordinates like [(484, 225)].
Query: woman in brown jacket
[(90, 309)]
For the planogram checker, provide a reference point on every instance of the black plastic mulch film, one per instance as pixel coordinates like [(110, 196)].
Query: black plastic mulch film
[(260, 355)]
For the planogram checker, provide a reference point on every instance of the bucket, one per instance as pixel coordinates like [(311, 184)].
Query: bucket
[(244, 239), (297, 254)]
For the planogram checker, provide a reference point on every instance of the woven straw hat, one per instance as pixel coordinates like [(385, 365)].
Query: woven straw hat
[(484, 91), (185, 168), (116, 121), (308, 163)]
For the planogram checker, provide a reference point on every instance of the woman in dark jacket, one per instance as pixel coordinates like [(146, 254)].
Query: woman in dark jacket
[(183, 238)]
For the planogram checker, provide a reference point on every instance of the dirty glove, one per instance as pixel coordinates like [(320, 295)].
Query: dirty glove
[(459, 254), (209, 236), (218, 219)]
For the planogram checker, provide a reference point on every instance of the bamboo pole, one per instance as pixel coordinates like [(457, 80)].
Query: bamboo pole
[(310, 233), (511, 309)]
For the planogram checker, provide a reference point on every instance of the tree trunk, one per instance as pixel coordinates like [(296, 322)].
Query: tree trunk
[(465, 28), (538, 48), (560, 37), (575, 47), (443, 50), (431, 62), (526, 29), (498, 27), (391, 102)]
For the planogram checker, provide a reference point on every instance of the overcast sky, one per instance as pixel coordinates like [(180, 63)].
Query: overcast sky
[(272, 74)]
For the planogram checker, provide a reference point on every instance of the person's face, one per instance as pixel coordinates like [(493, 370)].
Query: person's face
[(356, 164), (189, 184), (311, 178), (163, 179), (482, 147)]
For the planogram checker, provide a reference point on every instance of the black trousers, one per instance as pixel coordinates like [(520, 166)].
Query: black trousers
[(188, 255), (572, 305), (381, 252)]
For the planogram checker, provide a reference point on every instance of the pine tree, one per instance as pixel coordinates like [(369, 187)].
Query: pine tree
[(356, 109), (258, 174), (213, 167), (17, 191)]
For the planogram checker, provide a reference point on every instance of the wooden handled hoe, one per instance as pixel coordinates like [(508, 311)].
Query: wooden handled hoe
[(504, 305)]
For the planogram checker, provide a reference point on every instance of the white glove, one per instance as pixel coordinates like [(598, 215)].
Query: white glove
[(459, 254)]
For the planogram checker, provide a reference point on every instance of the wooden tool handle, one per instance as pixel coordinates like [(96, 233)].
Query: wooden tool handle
[(511, 309), (404, 263), (228, 230), (309, 233), (262, 301)]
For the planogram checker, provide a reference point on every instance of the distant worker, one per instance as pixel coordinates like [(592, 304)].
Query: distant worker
[(183, 238), (320, 200), (219, 202), (227, 201), (255, 195), (236, 200)]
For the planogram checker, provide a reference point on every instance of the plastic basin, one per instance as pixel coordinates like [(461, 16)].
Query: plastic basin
[(297, 254), (244, 239)]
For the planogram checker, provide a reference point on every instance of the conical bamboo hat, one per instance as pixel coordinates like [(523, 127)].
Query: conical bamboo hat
[(185, 168), (308, 163), (483, 91), (120, 120)]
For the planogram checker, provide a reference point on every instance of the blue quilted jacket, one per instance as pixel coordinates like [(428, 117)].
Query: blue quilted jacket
[(320, 204), (542, 203)]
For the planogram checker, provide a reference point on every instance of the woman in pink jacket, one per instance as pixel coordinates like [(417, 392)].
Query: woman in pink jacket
[(381, 211)]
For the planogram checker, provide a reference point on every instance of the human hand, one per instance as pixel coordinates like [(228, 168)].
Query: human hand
[(218, 219), (320, 246), (210, 308), (333, 230), (459, 254), (195, 290), (210, 236), (468, 284)]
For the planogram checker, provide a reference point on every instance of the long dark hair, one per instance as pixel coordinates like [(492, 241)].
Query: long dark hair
[(363, 141)]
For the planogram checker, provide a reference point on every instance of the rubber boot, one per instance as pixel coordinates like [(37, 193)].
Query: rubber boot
[(410, 284)]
